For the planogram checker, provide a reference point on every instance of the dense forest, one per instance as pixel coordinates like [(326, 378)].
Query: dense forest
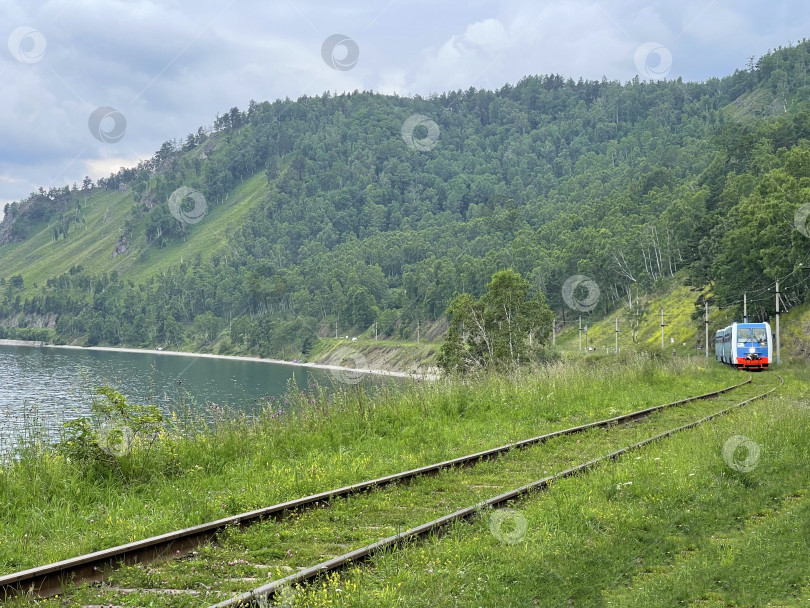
[(628, 184)]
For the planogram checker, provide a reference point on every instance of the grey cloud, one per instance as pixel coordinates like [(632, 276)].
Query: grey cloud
[(171, 66)]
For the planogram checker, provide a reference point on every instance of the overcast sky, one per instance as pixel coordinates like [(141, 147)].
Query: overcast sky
[(165, 67)]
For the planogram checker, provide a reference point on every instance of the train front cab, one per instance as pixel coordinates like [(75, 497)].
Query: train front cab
[(748, 345)]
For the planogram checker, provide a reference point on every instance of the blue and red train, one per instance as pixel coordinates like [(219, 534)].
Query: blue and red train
[(744, 345)]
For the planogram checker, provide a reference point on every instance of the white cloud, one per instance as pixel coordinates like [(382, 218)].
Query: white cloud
[(464, 58), (102, 167), (574, 39)]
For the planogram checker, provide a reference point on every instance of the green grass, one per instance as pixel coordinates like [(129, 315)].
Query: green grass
[(55, 509), (210, 234), (670, 525), (750, 107), (795, 331), (677, 300), (38, 258), (270, 550)]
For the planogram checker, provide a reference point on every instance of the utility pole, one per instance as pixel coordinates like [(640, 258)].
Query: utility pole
[(580, 333), (778, 354), (336, 329), (617, 335), (662, 328), (706, 323), (745, 307)]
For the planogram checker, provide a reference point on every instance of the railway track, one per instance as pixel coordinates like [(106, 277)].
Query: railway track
[(263, 595), (49, 580)]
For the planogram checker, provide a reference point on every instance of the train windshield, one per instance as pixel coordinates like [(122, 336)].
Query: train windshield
[(747, 335)]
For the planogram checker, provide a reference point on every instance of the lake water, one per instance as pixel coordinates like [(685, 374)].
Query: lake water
[(56, 385)]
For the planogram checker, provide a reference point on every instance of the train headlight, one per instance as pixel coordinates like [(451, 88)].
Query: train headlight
[(752, 350)]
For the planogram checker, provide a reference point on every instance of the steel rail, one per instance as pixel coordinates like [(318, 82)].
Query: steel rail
[(261, 597), (51, 579)]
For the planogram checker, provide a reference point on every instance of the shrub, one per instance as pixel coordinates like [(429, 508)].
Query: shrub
[(103, 442)]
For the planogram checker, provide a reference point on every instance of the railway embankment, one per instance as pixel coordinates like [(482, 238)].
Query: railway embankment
[(325, 440)]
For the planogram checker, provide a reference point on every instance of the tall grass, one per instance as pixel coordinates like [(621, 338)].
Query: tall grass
[(322, 437), (673, 524)]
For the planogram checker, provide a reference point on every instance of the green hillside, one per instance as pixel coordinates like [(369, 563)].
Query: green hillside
[(91, 244), (321, 211), (640, 326)]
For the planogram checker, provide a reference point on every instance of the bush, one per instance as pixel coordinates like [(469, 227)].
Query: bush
[(102, 442)]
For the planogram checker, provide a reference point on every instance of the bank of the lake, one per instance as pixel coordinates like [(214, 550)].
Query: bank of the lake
[(350, 348), (49, 385)]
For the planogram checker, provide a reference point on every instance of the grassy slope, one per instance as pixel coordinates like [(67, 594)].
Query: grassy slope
[(39, 258), (795, 331), (687, 528), (750, 107), (357, 436), (671, 525), (678, 302), (210, 234), (392, 355)]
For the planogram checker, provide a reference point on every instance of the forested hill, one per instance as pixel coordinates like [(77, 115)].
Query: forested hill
[(350, 209)]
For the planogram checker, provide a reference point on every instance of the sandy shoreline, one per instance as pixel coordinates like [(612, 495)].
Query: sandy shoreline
[(335, 368)]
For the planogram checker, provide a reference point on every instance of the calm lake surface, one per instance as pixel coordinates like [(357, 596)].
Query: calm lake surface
[(56, 385)]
